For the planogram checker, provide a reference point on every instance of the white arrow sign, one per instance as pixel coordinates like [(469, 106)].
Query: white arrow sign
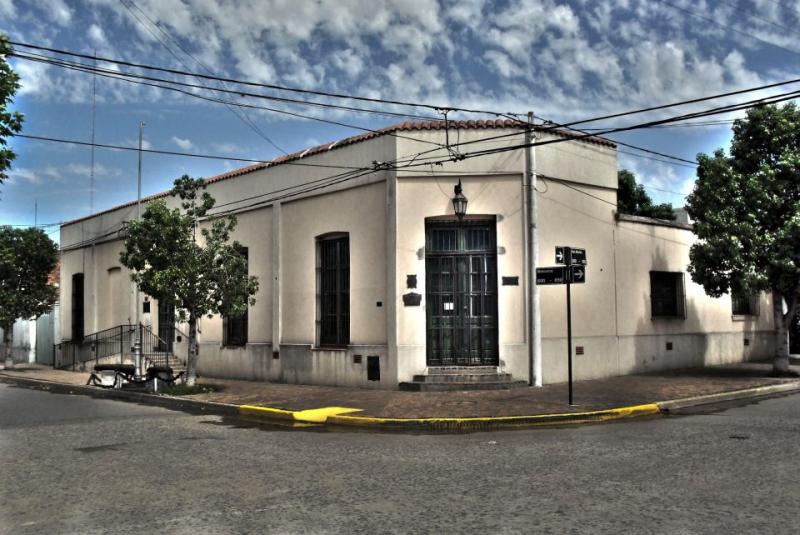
[(578, 274)]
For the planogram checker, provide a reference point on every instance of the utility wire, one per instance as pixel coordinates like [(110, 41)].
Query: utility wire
[(729, 27), (773, 99), (137, 79), (436, 108), (267, 163), (763, 19), (241, 116)]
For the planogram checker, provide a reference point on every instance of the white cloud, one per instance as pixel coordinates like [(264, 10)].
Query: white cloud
[(22, 173), (97, 35), (58, 11), (184, 144), (228, 148), (501, 63), (7, 8)]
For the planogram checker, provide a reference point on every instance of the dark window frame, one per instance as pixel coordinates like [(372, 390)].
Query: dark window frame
[(234, 328), (333, 290), (667, 295), (78, 309), (745, 305)]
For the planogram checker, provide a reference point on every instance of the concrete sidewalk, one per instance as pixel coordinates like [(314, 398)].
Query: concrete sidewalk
[(593, 395)]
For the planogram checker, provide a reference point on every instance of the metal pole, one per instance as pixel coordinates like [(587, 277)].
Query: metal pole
[(137, 344), (534, 309), (569, 332)]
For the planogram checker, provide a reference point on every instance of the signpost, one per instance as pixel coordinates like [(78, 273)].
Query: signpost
[(573, 271)]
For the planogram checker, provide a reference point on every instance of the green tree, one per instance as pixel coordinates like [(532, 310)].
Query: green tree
[(199, 275), (10, 121), (27, 258), (746, 211), (633, 199)]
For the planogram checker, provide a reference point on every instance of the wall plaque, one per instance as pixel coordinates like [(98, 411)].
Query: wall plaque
[(412, 299)]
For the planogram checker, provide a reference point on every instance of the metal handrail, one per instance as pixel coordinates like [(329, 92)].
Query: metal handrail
[(116, 340)]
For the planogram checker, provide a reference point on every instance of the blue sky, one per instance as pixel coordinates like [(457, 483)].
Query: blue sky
[(566, 60)]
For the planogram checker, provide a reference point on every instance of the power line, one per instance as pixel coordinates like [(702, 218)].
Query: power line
[(729, 27), (137, 79), (241, 117), (433, 107), (267, 163), (764, 19), (773, 99)]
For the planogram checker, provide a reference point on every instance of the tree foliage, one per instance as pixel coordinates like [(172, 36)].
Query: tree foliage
[(10, 121), (199, 275), (746, 211), (633, 199), (27, 258)]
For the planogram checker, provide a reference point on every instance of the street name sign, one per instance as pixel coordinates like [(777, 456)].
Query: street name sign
[(570, 256), (551, 275), (571, 271), (578, 275)]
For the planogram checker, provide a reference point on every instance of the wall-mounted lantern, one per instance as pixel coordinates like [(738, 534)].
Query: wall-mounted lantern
[(459, 201)]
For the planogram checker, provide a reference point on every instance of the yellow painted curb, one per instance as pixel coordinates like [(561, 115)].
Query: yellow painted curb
[(337, 416), (317, 416), (496, 422)]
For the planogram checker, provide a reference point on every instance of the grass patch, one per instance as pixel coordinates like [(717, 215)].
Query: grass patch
[(184, 390)]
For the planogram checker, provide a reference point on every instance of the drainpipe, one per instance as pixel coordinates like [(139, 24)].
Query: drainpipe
[(534, 312)]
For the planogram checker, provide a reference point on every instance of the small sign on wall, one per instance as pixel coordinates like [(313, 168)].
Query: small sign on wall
[(412, 299)]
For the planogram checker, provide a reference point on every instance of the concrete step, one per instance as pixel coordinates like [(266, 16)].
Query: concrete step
[(464, 378), (462, 370), (454, 386)]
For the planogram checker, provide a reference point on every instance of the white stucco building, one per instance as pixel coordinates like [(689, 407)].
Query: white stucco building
[(340, 260)]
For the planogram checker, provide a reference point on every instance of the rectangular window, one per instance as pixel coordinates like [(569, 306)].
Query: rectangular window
[(744, 305), (667, 298), (333, 290), (234, 328), (77, 307)]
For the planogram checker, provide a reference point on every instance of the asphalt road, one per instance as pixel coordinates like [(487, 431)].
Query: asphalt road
[(73, 464)]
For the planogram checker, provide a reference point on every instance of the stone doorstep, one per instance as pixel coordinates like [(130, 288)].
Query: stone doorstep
[(464, 378), (456, 386), (462, 370)]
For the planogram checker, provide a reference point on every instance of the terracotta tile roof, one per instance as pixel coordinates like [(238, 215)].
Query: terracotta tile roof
[(407, 126)]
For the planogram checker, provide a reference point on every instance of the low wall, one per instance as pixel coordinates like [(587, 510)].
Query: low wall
[(608, 356), (297, 364)]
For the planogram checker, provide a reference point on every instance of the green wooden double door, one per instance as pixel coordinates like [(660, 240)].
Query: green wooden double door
[(461, 293)]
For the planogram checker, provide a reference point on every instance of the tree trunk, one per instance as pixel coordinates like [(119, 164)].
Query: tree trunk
[(782, 321), (191, 360), (8, 340)]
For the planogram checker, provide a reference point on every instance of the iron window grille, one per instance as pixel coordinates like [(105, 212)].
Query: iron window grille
[(744, 305), (234, 328), (667, 295), (77, 307), (333, 290)]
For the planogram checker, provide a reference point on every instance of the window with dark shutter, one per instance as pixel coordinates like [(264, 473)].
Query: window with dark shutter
[(234, 328), (77, 307), (667, 299), (333, 290), (744, 305)]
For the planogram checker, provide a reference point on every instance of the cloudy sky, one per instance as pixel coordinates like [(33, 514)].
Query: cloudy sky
[(565, 60)]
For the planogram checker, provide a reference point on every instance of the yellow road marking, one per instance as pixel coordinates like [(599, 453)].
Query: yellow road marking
[(309, 415)]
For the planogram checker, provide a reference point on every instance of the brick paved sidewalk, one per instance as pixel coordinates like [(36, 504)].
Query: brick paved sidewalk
[(589, 395)]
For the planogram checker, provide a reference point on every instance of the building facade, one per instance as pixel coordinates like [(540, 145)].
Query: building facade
[(367, 277)]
